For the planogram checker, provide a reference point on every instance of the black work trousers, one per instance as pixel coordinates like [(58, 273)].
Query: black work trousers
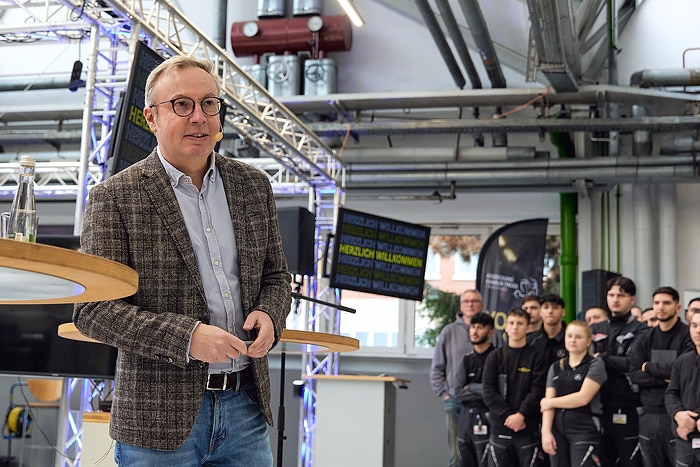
[(686, 456), (578, 439), (472, 437), (619, 445), (509, 449), (656, 440)]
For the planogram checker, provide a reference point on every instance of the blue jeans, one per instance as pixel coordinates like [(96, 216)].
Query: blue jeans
[(452, 408), (229, 431)]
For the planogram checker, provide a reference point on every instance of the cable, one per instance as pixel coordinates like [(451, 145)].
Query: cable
[(38, 426), (16, 421), (542, 95)]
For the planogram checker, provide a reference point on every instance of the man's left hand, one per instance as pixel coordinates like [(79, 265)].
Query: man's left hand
[(265, 333)]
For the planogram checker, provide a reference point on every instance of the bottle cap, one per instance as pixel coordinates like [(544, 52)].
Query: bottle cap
[(27, 161)]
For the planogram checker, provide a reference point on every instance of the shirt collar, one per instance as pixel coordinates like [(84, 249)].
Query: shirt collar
[(176, 176)]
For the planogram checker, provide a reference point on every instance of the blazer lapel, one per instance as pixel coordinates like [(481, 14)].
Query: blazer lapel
[(160, 192)]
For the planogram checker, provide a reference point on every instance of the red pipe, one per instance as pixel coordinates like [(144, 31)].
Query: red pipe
[(291, 35)]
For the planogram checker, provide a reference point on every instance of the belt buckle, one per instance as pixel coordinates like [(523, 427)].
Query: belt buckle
[(223, 384)]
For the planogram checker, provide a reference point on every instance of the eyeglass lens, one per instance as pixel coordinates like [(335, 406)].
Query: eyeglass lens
[(184, 106)]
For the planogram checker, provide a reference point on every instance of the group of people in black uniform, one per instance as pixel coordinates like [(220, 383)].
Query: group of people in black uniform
[(614, 393)]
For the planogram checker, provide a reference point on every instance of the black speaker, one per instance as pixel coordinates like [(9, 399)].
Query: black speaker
[(594, 287), (297, 226)]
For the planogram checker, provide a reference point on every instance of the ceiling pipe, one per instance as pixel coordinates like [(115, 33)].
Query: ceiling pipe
[(483, 42), (458, 41), (591, 164), (220, 18), (441, 42), (35, 85), (661, 78), (679, 143), (526, 125), (641, 140), (551, 173), (661, 101), (435, 196), (439, 154)]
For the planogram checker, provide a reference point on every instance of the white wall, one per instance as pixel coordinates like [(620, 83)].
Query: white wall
[(656, 36)]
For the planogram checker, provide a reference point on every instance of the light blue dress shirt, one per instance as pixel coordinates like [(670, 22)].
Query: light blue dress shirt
[(209, 225)]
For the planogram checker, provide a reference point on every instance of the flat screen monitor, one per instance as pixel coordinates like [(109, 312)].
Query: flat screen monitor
[(30, 345), (379, 255), (29, 341)]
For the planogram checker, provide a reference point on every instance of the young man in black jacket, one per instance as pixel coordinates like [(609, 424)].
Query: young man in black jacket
[(473, 433), (612, 340), (651, 361), (683, 399), (549, 340), (513, 384)]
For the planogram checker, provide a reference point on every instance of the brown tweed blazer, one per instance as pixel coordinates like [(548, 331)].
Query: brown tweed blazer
[(134, 218)]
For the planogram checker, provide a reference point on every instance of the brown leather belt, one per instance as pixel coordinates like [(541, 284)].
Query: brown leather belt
[(234, 380)]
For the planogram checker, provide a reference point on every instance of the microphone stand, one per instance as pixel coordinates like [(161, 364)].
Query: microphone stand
[(298, 296), (283, 360)]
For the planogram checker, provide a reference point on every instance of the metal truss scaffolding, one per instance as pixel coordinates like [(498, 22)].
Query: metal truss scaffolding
[(319, 318), (303, 163)]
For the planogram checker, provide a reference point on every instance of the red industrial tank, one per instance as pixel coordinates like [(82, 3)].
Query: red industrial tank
[(291, 35)]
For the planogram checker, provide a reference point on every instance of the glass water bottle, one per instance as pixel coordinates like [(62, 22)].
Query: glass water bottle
[(23, 221)]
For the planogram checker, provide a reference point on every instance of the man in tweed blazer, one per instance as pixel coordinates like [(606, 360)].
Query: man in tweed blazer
[(201, 230)]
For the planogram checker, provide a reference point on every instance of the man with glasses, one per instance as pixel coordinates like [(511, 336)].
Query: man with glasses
[(612, 340), (201, 230), (452, 345)]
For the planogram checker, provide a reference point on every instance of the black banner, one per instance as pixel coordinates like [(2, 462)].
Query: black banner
[(510, 265)]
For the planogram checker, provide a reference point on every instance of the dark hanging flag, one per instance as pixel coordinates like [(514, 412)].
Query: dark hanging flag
[(510, 265)]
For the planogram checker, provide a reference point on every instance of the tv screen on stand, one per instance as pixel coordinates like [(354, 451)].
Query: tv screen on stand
[(379, 255), (30, 344)]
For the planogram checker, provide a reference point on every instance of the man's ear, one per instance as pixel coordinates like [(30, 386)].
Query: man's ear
[(150, 116)]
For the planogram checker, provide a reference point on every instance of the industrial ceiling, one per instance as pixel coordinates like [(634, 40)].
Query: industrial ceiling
[(487, 136)]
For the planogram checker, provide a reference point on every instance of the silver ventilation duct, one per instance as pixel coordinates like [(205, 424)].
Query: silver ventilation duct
[(553, 32)]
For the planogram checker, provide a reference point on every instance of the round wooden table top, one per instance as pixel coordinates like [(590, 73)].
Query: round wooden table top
[(295, 341), (292, 341), (34, 273)]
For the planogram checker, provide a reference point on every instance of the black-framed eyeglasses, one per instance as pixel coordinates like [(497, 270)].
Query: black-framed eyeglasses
[(184, 106)]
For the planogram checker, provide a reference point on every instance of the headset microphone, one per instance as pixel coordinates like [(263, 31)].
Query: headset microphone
[(220, 135)]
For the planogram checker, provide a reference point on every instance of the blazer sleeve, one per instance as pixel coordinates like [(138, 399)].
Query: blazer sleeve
[(120, 224)]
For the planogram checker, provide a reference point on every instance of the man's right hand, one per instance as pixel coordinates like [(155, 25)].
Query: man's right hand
[(212, 344), (686, 420)]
